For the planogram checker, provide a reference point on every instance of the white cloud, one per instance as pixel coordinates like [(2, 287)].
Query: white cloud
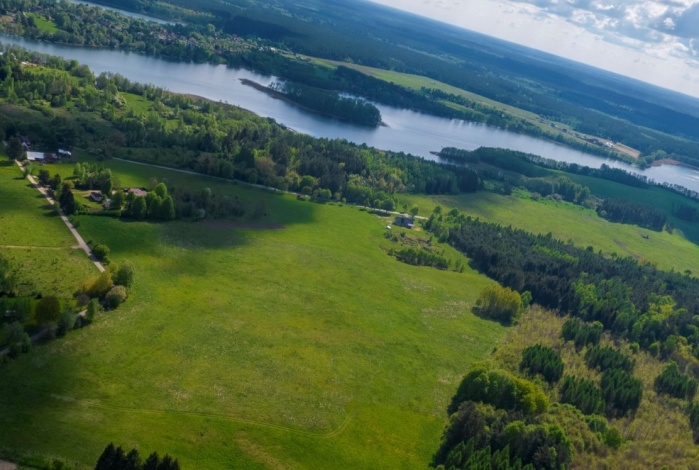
[(652, 40)]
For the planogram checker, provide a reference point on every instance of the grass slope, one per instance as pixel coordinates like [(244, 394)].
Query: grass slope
[(302, 347), (36, 241), (571, 222)]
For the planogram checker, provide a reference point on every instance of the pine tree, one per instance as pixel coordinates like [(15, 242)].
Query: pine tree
[(106, 460), (152, 462)]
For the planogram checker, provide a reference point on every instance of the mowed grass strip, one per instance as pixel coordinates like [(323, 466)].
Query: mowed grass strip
[(26, 217), (36, 241), (301, 347)]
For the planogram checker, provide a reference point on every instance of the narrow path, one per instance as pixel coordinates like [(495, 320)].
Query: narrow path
[(36, 337), (78, 238), (35, 247), (4, 465)]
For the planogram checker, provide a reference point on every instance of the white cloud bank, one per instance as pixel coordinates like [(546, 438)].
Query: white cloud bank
[(651, 40)]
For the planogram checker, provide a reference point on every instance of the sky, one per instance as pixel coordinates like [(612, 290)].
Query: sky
[(650, 40)]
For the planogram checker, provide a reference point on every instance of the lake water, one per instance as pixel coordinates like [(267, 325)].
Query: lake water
[(405, 131)]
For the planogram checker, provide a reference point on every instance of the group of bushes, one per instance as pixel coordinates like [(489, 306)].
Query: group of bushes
[(498, 417)]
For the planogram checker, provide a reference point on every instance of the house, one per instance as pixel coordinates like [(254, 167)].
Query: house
[(96, 196), (26, 143), (404, 221), (136, 192), (41, 157)]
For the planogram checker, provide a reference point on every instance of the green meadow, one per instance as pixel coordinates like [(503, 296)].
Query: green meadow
[(289, 341), (584, 227), (292, 341), (36, 240)]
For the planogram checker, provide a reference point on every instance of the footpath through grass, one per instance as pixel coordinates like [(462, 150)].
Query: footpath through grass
[(35, 240), (303, 346)]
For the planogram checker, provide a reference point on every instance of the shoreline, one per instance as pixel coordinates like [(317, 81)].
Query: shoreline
[(673, 162)]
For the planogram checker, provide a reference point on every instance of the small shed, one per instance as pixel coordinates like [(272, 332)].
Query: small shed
[(404, 221)]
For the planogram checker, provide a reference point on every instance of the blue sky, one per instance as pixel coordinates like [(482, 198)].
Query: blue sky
[(654, 41)]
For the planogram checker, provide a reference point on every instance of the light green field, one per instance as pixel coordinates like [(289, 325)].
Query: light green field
[(45, 25), (36, 241), (417, 82), (661, 199), (571, 222), (305, 346)]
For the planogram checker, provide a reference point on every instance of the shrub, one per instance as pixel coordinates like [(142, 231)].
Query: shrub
[(621, 391), (65, 323), (98, 286), (101, 252), (124, 275), (582, 333), (499, 303), (582, 394), (116, 296), (606, 358), (542, 360), (675, 384), (502, 390)]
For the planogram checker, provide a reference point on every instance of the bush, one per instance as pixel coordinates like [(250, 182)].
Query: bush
[(582, 394), (542, 360), (101, 252), (98, 286), (582, 333), (124, 275), (674, 383), (500, 389), (116, 296), (606, 358), (499, 303), (621, 391), (65, 323)]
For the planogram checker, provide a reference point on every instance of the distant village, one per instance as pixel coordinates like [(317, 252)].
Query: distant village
[(591, 140)]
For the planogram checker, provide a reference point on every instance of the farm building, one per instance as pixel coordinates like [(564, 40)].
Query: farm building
[(404, 221), (41, 157)]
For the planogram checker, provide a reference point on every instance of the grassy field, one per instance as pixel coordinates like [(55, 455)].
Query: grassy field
[(571, 222), (35, 240), (45, 25), (303, 346)]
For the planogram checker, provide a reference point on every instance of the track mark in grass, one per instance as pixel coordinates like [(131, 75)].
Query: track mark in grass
[(28, 247), (243, 225), (87, 403), (258, 453)]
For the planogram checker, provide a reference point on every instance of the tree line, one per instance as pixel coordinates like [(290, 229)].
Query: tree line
[(213, 138)]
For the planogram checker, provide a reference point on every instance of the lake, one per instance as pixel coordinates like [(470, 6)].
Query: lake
[(405, 131)]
